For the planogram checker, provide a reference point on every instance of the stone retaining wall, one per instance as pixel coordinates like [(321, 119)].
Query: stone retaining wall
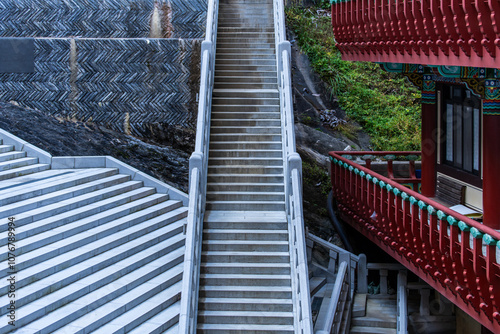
[(112, 73)]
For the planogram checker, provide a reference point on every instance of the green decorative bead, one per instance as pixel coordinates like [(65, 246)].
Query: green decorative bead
[(422, 205), (498, 244), (333, 159), (476, 233), (356, 171), (463, 226), (362, 174), (397, 192), (346, 165), (389, 157), (441, 215), (405, 196), (351, 169), (489, 240), (413, 200), (369, 177), (431, 210), (389, 187), (412, 157), (452, 221), (382, 184), (367, 156), (375, 180), (347, 156)]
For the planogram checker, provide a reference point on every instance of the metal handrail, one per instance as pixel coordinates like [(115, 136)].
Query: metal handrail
[(293, 177), (198, 163)]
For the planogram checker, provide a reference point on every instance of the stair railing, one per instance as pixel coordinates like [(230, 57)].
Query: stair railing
[(198, 164), (293, 178), (339, 298)]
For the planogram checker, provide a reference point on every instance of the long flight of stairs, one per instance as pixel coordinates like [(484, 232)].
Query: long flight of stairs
[(245, 282), (95, 250)]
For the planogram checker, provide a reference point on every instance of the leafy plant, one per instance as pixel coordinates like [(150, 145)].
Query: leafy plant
[(384, 104)]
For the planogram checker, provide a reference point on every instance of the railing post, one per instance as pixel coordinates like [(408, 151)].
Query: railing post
[(383, 281), (362, 274), (332, 264), (283, 46), (424, 302), (402, 322)]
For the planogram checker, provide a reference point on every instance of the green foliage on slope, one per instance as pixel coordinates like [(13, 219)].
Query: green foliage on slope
[(385, 104)]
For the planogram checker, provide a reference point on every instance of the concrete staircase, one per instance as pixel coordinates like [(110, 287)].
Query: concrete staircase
[(245, 284), (95, 250), (380, 316)]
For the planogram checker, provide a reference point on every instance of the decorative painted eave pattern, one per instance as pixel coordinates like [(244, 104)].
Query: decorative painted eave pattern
[(440, 32)]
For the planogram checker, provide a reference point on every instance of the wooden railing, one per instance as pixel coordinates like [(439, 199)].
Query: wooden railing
[(431, 32), (454, 254)]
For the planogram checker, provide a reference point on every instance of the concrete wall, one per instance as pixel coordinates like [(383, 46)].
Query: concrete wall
[(112, 73)]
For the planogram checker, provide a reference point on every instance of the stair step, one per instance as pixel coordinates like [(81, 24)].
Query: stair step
[(245, 169), (68, 223), (245, 304), (245, 145), (245, 205), (245, 234), (247, 51), (161, 254), (61, 195), (244, 280), (245, 329), (242, 55), (246, 93), (246, 317), (246, 115), (245, 246), (245, 178), (126, 293), (246, 268), (16, 172), (248, 291), (248, 100), (245, 108), (252, 61), (71, 236), (245, 196), (6, 148), (255, 153), (371, 330), (101, 196), (234, 161), (21, 162), (244, 186), (100, 253), (246, 74), (252, 85), (165, 322), (28, 186), (12, 155)]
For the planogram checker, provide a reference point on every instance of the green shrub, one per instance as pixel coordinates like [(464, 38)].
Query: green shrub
[(384, 104)]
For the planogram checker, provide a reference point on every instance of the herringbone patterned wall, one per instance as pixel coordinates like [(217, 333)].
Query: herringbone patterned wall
[(124, 82), (100, 18), (150, 80)]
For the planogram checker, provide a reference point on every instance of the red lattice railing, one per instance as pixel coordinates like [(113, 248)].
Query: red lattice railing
[(453, 253), (430, 32)]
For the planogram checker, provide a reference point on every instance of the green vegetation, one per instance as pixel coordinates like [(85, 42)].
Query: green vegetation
[(385, 104), (316, 183)]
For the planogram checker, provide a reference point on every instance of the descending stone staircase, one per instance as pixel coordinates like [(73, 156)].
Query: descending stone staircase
[(95, 251), (245, 282)]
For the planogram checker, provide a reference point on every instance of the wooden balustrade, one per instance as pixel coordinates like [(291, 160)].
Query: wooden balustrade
[(454, 254), (432, 32)]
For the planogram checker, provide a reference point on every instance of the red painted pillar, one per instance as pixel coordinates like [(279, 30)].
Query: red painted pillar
[(429, 145), (491, 155)]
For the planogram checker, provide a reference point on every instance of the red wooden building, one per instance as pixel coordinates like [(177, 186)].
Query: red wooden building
[(450, 49)]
